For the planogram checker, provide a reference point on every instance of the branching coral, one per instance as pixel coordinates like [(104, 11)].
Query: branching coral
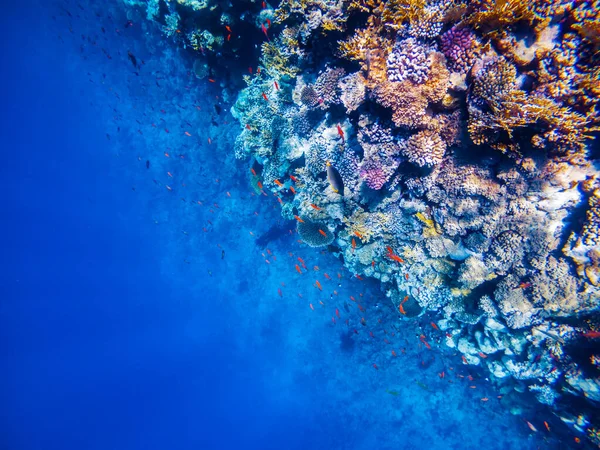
[(408, 61), (425, 149)]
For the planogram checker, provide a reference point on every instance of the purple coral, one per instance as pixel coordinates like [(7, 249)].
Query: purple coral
[(376, 171), (408, 61), (461, 47)]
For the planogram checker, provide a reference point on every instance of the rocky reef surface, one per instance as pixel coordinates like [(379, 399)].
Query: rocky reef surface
[(444, 148)]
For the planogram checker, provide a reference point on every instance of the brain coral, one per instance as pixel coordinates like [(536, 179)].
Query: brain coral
[(310, 232), (408, 61), (425, 149)]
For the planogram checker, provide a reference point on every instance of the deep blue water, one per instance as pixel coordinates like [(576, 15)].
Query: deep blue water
[(122, 325)]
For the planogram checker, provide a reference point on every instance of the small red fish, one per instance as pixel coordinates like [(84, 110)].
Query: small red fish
[(322, 232), (464, 360), (278, 183), (327, 276), (524, 285), (353, 244), (435, 327), (265, 97), (375, 365), (250, 70), (209, 140), (442, 374), (482, 355), (293, 190), (298, 219), (531, 427), (187, 133), (547, 426), (371, 334), (337, 313), (313, 206), (311, 306), (340, 132), (253, 171), (406, 276), (318, 285), (264, 30), (279, 292), (211, 80), (298, 269), (484, 399), (293, 178), (276, 85), (269, 23), (592, 334), (227, 28), (264, 5), (394, 353), (259, 184)]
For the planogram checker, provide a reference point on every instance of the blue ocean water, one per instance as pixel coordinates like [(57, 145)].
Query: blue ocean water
[(137, 309)]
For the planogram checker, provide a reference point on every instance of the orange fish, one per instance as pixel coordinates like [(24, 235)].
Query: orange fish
[(362, 308), (321, 303), (358, 235), (322, 232), (395, 258), (298, 269), (316, 268), (524, 285), (187, 134), (294, 179), (301, 260), (259, 184), (227, 28), (340, 132), (406, 276), (484, 399), (473, 387), (327, 276), (167, 155), (394, 353), (318, 285), (293, 190), (311, 306), (401, 309), (353, 244), (482, 355), (253, 171), (442, 374), (315, 207), (337, 313), (577, 440), (299, 219), (547, 426), (373, 263), (531, 427), (435, 327), (278, 183), (389, 249), (464, 360), (265, 97)]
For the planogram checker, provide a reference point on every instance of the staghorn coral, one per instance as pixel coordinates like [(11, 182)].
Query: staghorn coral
[(425, 149), (310, 232)]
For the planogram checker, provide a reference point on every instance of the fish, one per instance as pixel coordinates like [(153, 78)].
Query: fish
[(353, 244), (169, 174), (279, 292), (327, 276), (591, 334), (293, 178), (269, 23), (318, 285), (293, 190), (464, 360), (313, 206), (371, 334), (316, 268), (276, 85), (358, 235), (406, 276), (264, 5), (265, 97), (228, 28), (259, 184), (311, 306), (547, 426), (132, 58), (358, 276), (373, 263), (482, 355), (395, 258), (375, 366), (394, 353), (248, 127), (298, 219), (484, 399), (264, 30), (401, 309), (389, 249), (253, 171), (524, 285), (434, 326), (187, 133), (278, 183), (531, 427), (335, 179), (341, 133), (337, 313)]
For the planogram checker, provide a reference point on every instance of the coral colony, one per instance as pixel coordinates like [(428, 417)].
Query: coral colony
[(445, 149)]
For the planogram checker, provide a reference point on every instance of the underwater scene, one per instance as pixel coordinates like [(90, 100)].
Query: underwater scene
[(300, 224)]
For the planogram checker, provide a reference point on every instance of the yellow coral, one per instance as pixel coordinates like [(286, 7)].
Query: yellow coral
[(276, 62), (497, 14)]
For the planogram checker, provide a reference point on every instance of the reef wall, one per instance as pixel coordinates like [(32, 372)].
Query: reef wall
[(444, 148)]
